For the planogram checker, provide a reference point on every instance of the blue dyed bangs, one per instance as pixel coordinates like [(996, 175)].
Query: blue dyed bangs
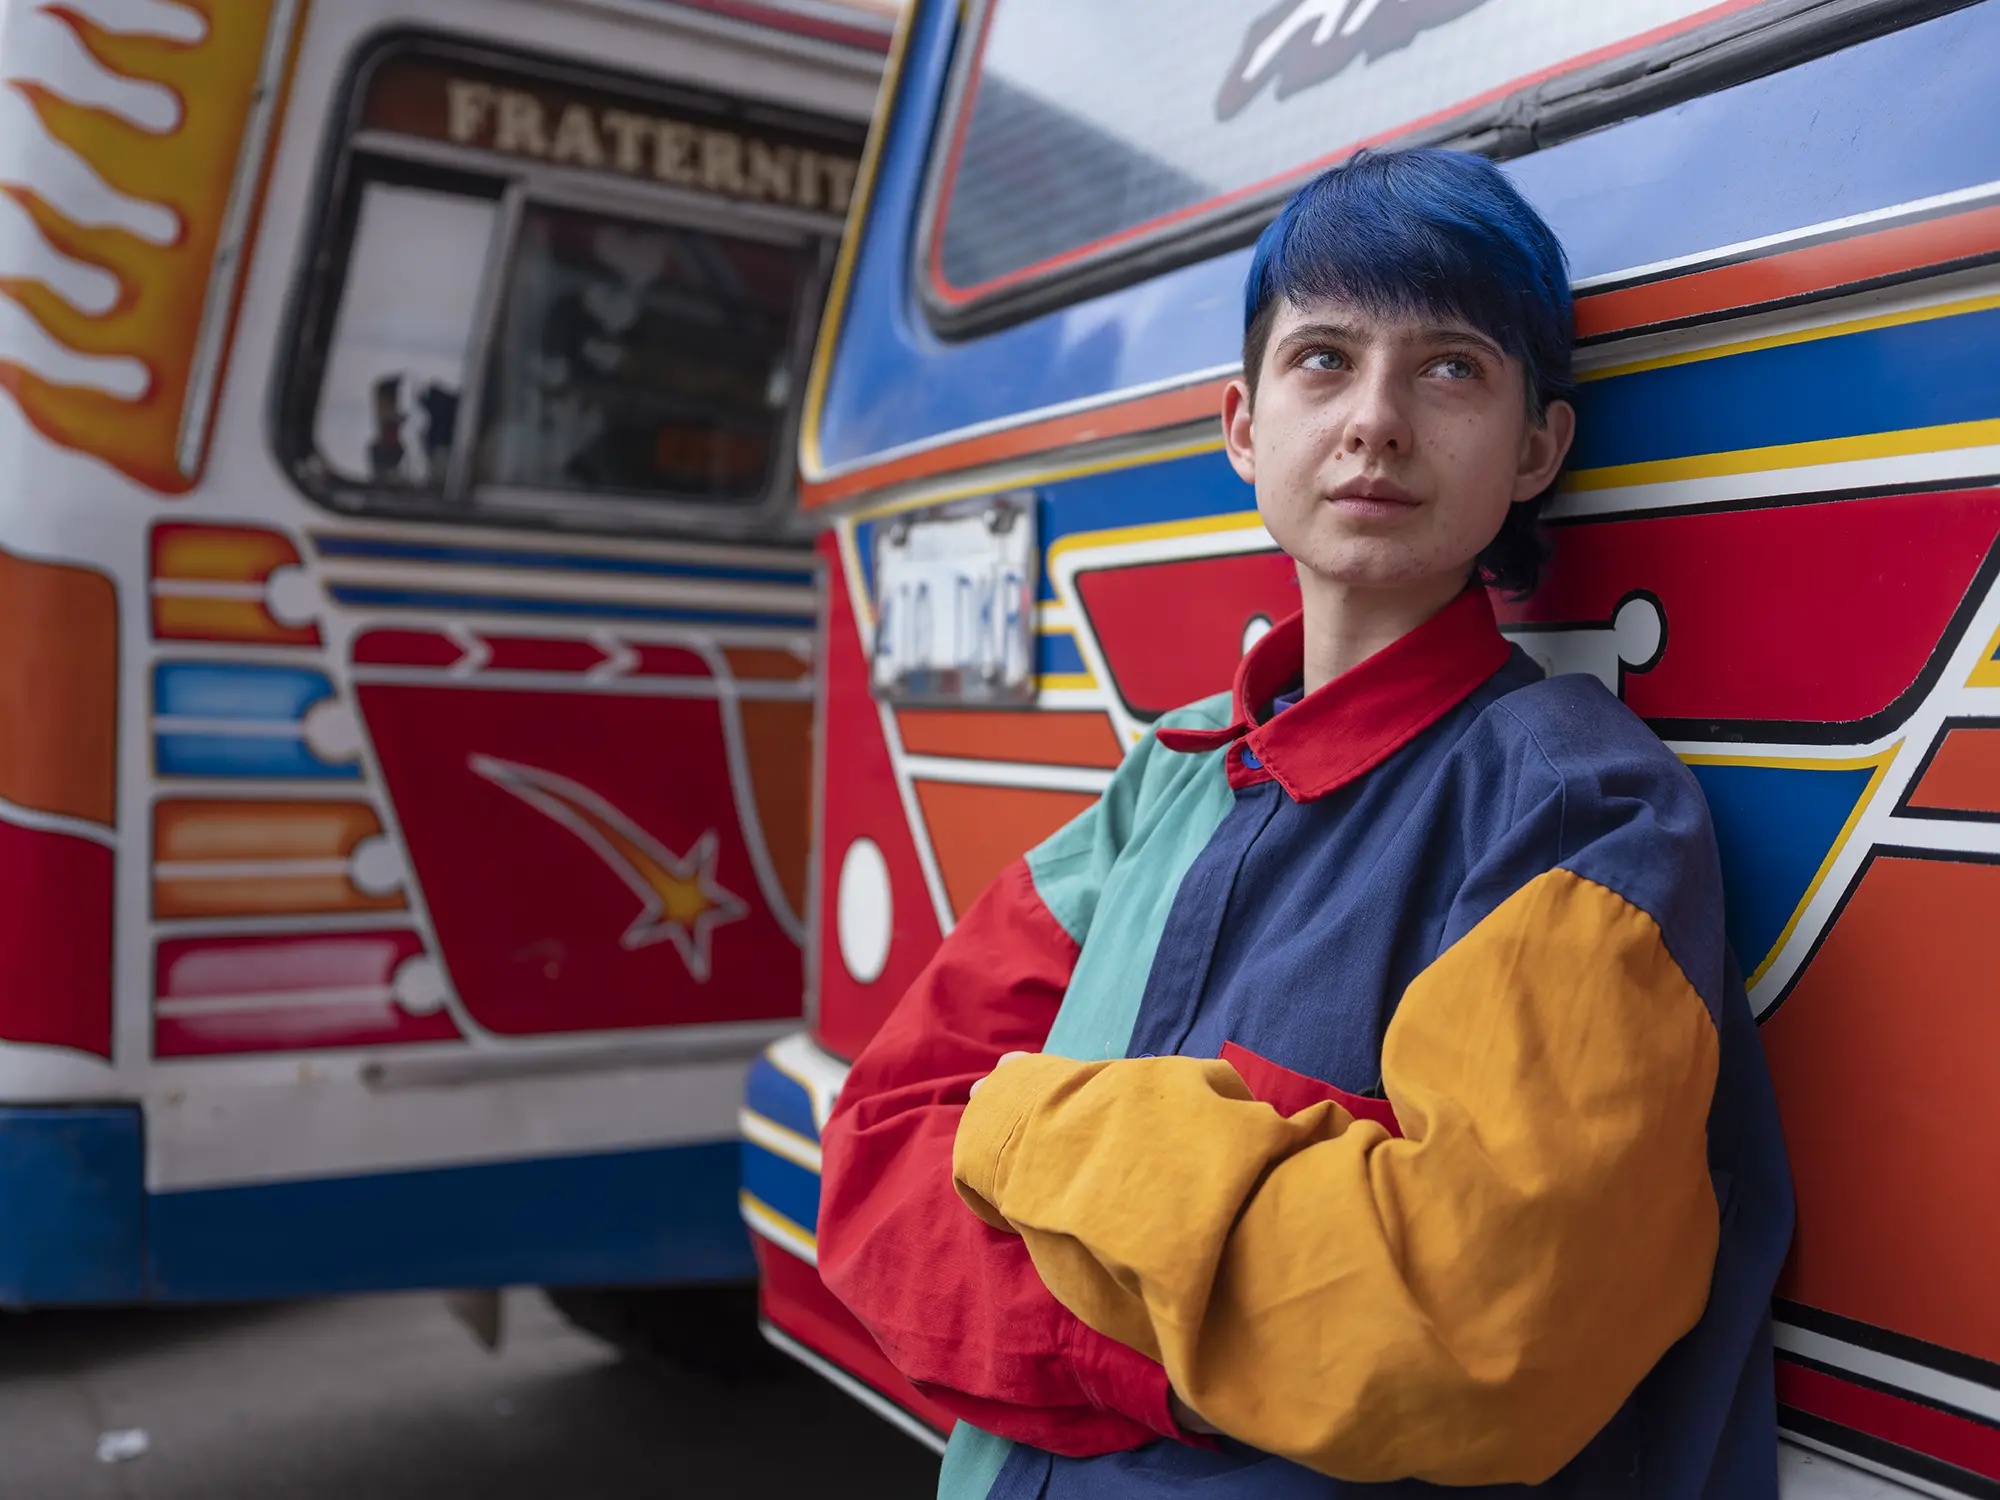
[(1440, 234)]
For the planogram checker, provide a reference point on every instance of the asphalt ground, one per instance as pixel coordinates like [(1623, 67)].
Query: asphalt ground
[(390, 1398)]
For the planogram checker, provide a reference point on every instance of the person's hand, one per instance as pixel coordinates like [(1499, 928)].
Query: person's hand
[(1187, 1418), (1005, 1058)]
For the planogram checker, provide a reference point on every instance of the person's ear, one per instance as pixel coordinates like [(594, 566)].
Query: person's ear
[(1238, 435), (1543, 449)]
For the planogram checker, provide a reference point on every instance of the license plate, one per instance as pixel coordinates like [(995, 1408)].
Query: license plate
[(955, 604)]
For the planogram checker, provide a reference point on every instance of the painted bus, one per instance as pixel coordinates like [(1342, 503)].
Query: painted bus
[(1777, 543), (406, 631)]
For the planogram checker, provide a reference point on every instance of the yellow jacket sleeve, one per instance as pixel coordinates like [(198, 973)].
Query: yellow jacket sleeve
[(1469, 1304)]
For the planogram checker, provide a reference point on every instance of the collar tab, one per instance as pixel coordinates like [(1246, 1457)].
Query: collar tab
[(1351, 725)]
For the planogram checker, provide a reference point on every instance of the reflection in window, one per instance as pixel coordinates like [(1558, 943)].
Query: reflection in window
[(389, 401), (640, 359)]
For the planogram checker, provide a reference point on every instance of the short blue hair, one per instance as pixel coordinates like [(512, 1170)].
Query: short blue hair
[(1442, 234)]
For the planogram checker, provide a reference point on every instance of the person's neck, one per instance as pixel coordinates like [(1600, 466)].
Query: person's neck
[(1345, 624)]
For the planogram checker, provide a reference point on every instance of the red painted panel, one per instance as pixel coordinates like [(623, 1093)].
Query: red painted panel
[(1908, 1424), (582, 857), (1964, 775), (862, 802), (667, 661), (55, 928), (512, 653), (287, 993), (797, 1301), (406, 648), (1172, 632), (1820, 613)]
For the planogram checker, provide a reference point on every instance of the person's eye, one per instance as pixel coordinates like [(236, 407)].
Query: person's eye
[(1456, 367), (1323, 359)]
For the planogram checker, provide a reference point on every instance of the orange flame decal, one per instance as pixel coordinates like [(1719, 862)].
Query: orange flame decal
[(163, 290)]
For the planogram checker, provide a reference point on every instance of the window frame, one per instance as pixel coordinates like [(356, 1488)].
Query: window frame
[(1704, 58), (353, 155)]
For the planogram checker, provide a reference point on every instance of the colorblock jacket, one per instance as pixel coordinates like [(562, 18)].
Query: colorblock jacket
[(1397, 1102)]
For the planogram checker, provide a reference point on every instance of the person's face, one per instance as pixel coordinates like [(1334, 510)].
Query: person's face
[(1386, 449)]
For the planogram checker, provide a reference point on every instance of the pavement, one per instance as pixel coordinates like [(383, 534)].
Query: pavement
[(390, 1398)]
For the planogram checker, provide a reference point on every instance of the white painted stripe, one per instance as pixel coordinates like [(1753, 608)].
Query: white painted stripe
[(248, 869), (777, 1140), (207, 588), (1933, 1385), (48, 822), (812, 1068), (1958, 198), (271, 729), (225, 1005), (751, 691), (1861, 473), (762, 1219), (1947, 836), (1811, 1470), (866, 1394), (730, 596), (691, 554), (1006, 773)]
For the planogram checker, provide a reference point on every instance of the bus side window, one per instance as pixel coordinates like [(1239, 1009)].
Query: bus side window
[(403, 335), (545, 296), (641, 359)]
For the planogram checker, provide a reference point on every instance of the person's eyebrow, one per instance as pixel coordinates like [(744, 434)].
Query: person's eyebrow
[(1460, 333), (1318, 333)]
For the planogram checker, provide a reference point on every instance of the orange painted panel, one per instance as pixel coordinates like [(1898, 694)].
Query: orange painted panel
[(778, 739), (977, 831), (201, 846), (58, 689), (263, 895), (224, 554), (1883, 1056), (1043, 739), (191, 830), (1964, 775), (760, 664)]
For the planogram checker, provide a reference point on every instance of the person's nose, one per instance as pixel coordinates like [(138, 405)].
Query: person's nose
[(1378, 422)]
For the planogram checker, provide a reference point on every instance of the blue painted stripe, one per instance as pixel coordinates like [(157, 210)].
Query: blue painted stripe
[(1774, 826), (369, 547), (780, 1098), (1057, 653), (72, 1205), (785, 1186), (610, 1218), (254, 755), (1883, 380), (204, 690), (562, 608)]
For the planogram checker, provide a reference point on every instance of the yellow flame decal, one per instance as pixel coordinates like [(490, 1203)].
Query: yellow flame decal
[(157, 316)]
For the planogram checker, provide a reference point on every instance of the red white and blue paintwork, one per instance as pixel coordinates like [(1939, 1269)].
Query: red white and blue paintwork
[(1778, 543), (406, 900)]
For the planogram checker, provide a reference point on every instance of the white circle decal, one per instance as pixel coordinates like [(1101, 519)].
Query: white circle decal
[(1254, 630), (864, 913)]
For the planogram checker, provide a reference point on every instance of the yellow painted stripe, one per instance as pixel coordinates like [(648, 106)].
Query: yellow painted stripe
[(1066, 682), (773, 1225), (1901, 444), (1240, 520), (1987, 673), (780, 1140), (835, 315), (1802, 336), (1880, 762)]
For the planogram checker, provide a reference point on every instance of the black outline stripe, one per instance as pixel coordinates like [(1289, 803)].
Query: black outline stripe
[(1903, 808), (1891, 1456), (1938, 1357)]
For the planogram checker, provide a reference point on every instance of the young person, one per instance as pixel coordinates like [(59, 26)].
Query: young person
[(1392, 1113)]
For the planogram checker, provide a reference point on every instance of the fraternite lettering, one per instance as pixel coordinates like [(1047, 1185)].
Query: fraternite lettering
[(515, 122)]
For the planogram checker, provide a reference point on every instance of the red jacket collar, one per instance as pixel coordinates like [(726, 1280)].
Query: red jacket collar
[(1361, 718)]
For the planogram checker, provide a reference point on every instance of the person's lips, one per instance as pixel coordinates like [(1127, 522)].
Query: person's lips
[(1372, 499)]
